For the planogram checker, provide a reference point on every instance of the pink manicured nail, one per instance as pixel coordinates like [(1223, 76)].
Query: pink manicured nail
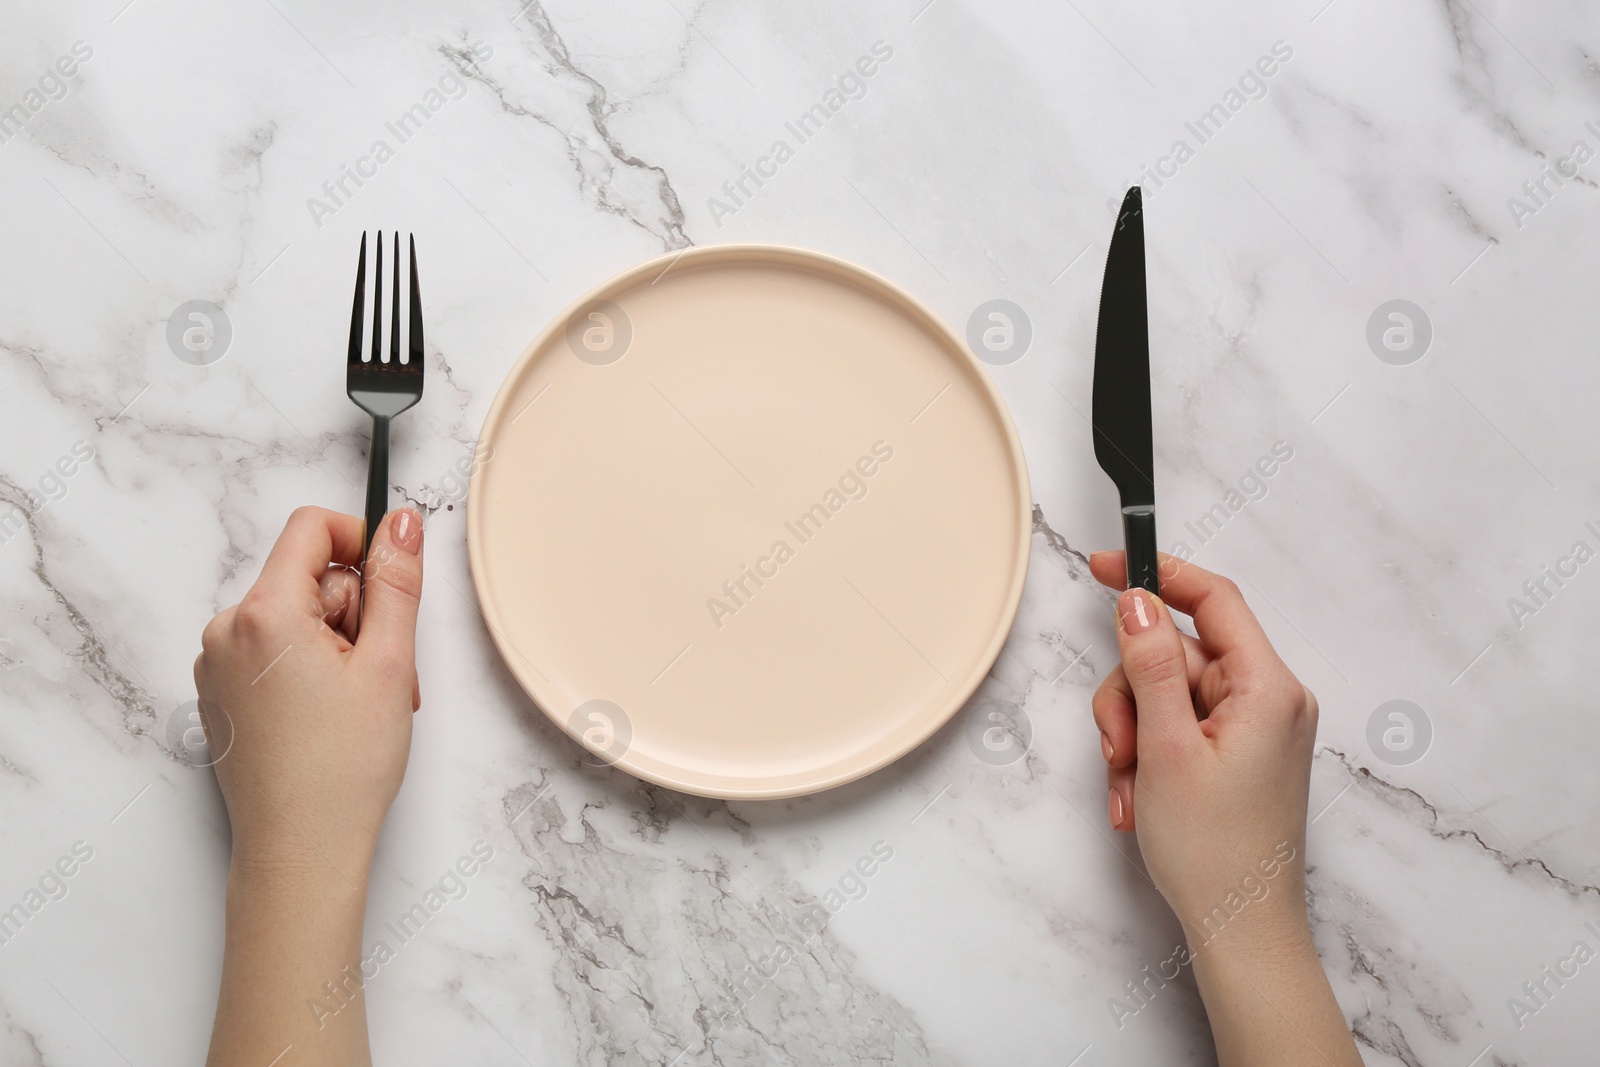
[(1138, 611), (408, 531), (1105, 745), (1116, 810)]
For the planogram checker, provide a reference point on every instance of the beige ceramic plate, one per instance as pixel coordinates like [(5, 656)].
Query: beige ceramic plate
[(749, 521)]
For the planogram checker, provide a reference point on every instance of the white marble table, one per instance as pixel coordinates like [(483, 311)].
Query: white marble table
[(1393, 152)]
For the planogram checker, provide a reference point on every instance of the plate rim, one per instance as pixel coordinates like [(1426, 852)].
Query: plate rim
[(834, 265)]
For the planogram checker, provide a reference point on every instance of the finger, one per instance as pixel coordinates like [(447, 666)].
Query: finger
[(218, 629), (1119, 806), (1115, 716), (1196, 660), (392, 592), (311, 540), (1221, 617), (1110, 568), (1114, 711), (1153, 659), (416, 693), (339, 601)]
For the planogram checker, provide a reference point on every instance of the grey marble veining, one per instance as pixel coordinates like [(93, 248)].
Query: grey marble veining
[(1439, 153)]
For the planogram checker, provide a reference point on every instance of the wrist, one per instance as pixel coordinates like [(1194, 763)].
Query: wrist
[(1250, 927), (292, 962), (263, 863), (1268, 941), (1256, 914)]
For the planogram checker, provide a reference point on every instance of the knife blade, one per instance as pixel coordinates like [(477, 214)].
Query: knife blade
[(1121, 414)]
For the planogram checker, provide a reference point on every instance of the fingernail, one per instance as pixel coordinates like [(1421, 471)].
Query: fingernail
[(1137, 609), (408, 531), (1115, 803), (1105, 745)]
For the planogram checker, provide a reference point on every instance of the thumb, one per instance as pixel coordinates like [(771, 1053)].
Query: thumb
[(393, 589), (1158, 672)]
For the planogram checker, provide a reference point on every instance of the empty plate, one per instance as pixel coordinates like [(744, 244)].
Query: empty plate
[(748, 521)]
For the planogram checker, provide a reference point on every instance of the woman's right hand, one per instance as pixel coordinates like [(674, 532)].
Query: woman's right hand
[(1208, 744)]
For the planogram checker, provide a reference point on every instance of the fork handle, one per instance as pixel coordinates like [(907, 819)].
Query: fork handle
[(377, 483)]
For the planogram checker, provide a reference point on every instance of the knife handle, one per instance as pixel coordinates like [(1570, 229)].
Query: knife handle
[(1139, 537)]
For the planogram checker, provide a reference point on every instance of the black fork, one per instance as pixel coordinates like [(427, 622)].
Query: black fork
[(383, 389)]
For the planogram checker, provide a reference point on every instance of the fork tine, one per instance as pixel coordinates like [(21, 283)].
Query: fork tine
[(416, 306), (361, 292), (377, 304), (394, 308)]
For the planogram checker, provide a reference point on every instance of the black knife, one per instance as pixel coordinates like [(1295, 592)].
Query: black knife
[(1121, 420)]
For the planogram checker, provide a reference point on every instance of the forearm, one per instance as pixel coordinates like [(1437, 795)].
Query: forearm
[(291, 970), (1269, 1001)]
